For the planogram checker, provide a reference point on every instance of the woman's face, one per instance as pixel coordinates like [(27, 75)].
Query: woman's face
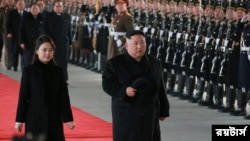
[(45, 52)]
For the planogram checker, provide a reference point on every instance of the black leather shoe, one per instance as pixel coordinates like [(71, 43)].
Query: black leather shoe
[(247, 117), (205, 103), (15, 69), (226, 109), (238, 113), (183, 96)]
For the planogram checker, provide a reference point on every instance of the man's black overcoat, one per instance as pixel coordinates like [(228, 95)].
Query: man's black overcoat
[(135, 119), (59, 28)]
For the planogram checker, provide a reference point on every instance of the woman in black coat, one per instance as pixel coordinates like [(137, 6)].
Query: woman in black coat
[(135, 83), (44, 102)]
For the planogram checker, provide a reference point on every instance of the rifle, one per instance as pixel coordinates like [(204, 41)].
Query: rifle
[(194, 57), (176, 58), (184, 56), (170, 35), (161, 32), (204, 60), (215, 61), (225, 47)]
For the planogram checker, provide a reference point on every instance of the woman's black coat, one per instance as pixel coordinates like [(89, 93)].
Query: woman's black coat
[(44, 102)]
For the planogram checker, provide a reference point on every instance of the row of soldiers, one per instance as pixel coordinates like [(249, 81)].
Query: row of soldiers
[(203, 45)]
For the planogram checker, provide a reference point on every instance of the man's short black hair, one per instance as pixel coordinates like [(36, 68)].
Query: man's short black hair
[(134, 32)]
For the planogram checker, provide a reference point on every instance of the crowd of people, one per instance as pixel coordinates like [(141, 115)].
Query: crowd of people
[(203, 46)]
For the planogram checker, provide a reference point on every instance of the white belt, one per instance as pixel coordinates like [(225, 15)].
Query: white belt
[(243, 48), (88, 23), (117, 33)]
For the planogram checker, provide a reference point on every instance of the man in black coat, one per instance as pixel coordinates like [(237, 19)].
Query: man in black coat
[(134, 80), (58, 26), (31, 28), (14, 20)]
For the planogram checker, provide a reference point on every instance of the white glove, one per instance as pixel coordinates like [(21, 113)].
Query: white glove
[(244, 19), (248, 57), (119, 43), (19, 126), (71, 125)]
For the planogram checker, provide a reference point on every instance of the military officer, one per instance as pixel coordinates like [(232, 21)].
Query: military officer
[(244, 67), (123, 21)]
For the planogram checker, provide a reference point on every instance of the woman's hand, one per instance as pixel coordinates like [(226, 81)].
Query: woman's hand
[(71, 125), (19, 126)]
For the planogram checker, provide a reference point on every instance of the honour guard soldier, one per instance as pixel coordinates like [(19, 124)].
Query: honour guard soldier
[(244, 67), (213, 88), (120, 24), (202, 63), (173, 16), (193, 46), (179, 47), (103, 19), (229, 66)]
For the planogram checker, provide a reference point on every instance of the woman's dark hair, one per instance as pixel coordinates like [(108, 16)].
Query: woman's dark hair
[(39, 41)]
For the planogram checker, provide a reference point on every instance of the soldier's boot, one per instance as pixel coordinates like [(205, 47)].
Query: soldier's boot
[(199, 91), (241, 103), (170, 83), (180, 85), (248, 107), (189, 88), (218, 96), (209, 96), (230, 100)]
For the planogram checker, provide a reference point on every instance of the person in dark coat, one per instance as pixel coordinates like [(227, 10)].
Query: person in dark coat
[(134, 81), (44, 102), (58, 26), (31, 28), (14, 20)]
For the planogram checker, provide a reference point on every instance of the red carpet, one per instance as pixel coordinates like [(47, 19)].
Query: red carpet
[(88, 127)]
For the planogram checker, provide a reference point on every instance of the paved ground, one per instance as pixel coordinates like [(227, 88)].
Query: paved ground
[(188, 122)]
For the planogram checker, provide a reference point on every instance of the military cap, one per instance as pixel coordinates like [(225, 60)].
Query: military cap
[(131, 33), (209, 4), (122, 1), (241, 5), (230, 5), (190, 2), (182, 2), (198, 3), (219, 4)]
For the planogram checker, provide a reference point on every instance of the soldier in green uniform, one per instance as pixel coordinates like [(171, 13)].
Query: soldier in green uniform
[(120, 24)]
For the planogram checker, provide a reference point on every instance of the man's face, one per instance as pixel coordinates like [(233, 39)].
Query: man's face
[(41, 4), (20, 5), (136, 46), (58, 7), (34, 10)]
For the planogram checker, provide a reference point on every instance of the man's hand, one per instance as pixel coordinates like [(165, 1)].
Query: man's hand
[(131, 92)]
